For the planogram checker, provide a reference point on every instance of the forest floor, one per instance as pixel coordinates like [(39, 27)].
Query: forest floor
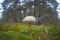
[(21, 32)]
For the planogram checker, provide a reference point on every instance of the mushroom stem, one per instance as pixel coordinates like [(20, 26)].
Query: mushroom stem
[(30, 30)]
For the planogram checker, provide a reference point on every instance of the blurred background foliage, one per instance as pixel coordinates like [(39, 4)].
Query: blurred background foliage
[(43, 10)]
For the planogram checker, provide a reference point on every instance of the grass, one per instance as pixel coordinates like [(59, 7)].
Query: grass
[(19, 31)]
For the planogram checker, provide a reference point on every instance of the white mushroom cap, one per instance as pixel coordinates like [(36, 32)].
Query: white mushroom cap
[(29, 19)]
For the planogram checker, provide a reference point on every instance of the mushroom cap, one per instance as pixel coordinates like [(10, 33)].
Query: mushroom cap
[(29, 19)]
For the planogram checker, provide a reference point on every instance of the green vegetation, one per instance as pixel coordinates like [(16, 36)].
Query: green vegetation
[(21, 32)]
